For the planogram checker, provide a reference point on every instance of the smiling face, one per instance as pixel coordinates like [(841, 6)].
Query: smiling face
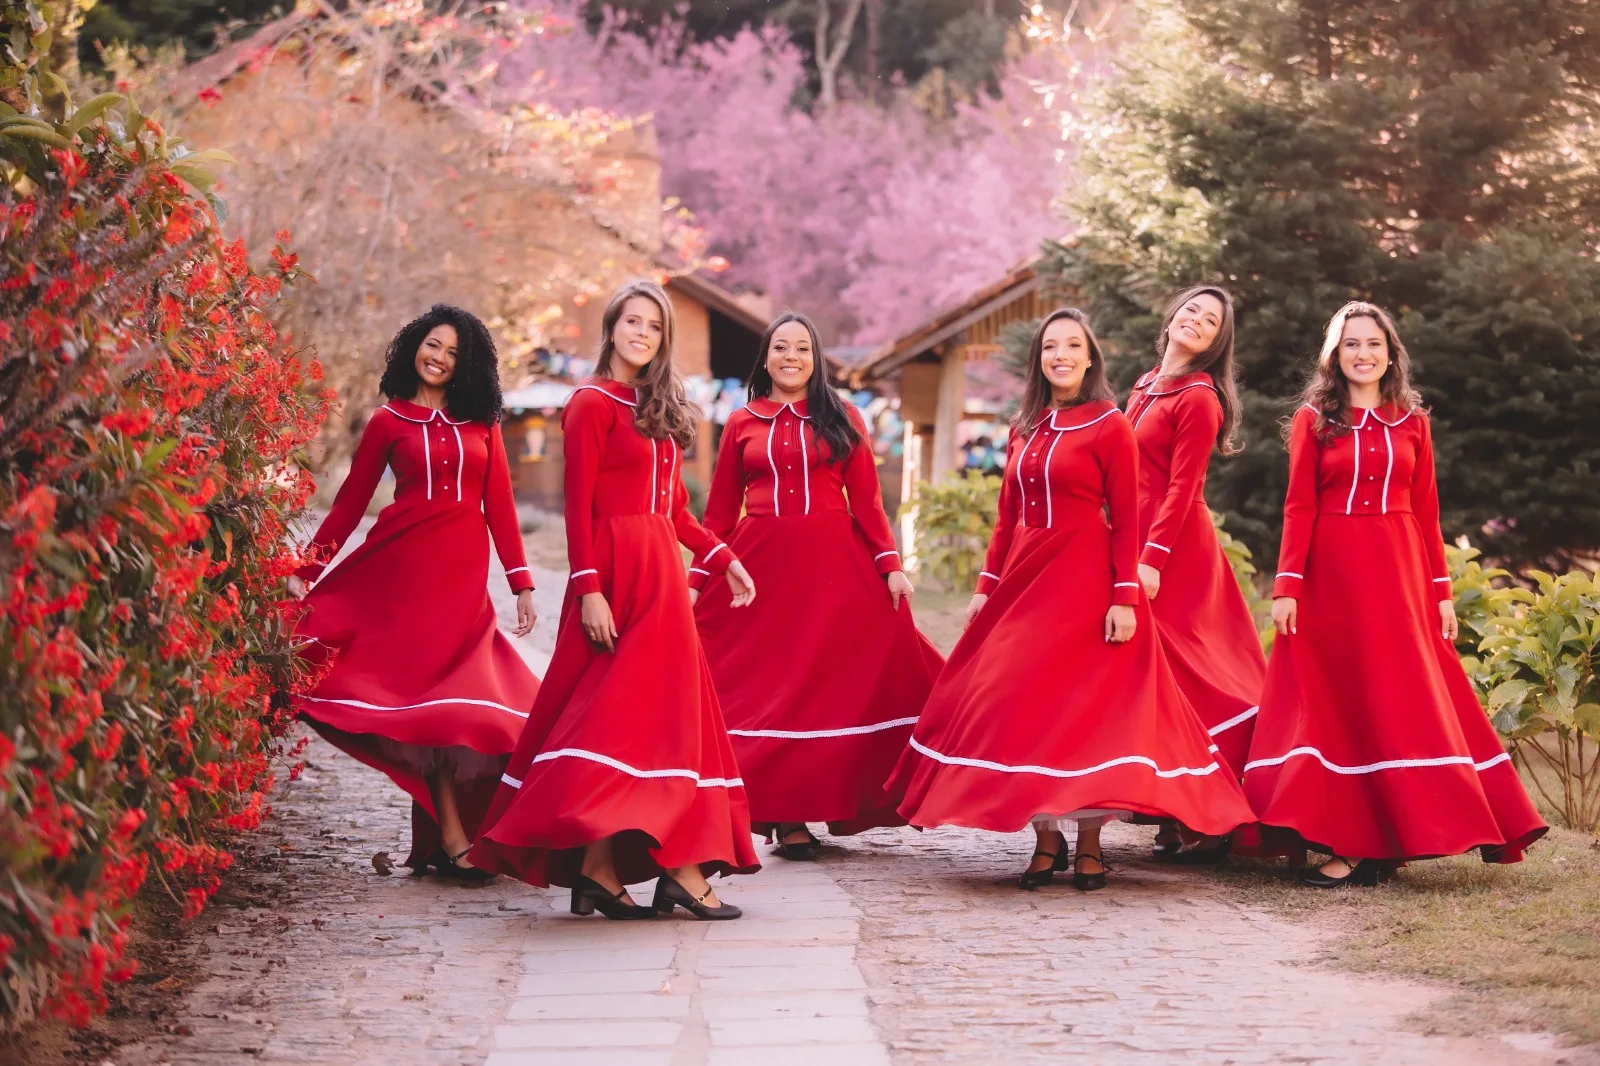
[(436, 356), (790, 358), (1064, 357), (637, 335), (1363, 351), (1195, 325)]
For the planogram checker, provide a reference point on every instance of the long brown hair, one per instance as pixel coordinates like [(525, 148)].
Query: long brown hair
[(1036, 387), (1328, 392), (829, 419), (663, 410), (1216, 360)]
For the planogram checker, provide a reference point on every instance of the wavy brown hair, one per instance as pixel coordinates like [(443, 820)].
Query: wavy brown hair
[(663, 411), (1328, 391), (1216, 360), (1036, 387)]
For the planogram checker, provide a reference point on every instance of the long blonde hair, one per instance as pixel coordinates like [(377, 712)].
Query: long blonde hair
[(1328, 392), (663, 411)]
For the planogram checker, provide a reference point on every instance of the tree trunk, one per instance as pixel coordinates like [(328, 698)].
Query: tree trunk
[(874, 76), (831, 48)]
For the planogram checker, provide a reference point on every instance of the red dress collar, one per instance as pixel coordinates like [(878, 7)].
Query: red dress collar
[(416, 412), (613, 388), (768, 408), (1082, 416), (1389, 414), (1185, 381)]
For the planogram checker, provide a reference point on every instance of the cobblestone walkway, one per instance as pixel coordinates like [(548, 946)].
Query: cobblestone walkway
[(897, 947)]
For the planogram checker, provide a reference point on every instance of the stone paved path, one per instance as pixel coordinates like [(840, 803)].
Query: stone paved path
[(897, 947)]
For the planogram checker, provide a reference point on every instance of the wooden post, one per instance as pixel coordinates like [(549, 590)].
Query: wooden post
[(947, 414)]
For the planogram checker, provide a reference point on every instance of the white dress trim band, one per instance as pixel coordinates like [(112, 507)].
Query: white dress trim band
[(1050, 771), (631, 771), (821, 734), (363, 705), (1387, 764), (1238, 719)]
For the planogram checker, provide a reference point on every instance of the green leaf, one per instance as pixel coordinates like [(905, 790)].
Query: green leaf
[(91, 110), (158, 452), (33, 133), (1508, 692)]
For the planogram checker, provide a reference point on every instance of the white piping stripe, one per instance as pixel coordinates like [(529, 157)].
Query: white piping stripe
[(1020, 460), (1439, 579), (880, 555), (712, 552), (1086, 425), (603, 392), (655, 457), (512, 781), (672, 475), (818, 734), (517, 569), (1049, 501), (634, 771), (427, 460), (436, 413), (1350, 502), (1387, 764), (1235, 720), (580, 573), (985, 573), (1291, 573), (777, 484), (1126, 585), (1153, 544), (1050, 771), (1388, 442), (461, 461), (1174, 392), (413, 706), (697, 570)]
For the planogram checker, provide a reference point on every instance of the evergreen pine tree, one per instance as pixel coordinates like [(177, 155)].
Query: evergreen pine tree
[(1437, 157)]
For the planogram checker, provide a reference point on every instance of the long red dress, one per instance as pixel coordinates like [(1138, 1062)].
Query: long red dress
[(1206, 630), (1370, 741), (420, 676), (1036, 714), (630, 741), (821, 678)]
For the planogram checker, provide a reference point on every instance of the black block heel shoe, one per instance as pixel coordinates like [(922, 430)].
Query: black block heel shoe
[(670, 894), (799, 851), (1089, 882), (1167, 843), (1032, 879), (590, 896), (1367, 873)]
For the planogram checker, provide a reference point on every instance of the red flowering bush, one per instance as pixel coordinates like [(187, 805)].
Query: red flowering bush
[(151, 422)]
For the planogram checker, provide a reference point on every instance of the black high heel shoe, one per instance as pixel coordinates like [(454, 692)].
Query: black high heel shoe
[(1088, 882), (1032, 879), (589, 896), (1204, 856), (444, 864), (1364, 873), (800, 851), (670, 894), (1167, 844)]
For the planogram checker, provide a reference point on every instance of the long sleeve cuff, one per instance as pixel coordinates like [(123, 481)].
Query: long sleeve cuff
[(1287, 584), (716, 561), (1124, 593), (698, 576), (520, 578), (1442, 590), (987, 583), (585, 582), (1154, 554), (887, 563)]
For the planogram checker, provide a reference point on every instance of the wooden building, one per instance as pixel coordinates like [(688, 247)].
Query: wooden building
[(930, 366)]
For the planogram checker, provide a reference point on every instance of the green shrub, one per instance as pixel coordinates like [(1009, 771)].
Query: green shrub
[(954, 520)]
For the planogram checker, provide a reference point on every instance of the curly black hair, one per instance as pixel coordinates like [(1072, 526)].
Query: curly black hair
[(473, 394)]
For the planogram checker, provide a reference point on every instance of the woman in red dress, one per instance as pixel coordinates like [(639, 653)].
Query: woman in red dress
[(1370, 742), (624, 771), (419, 681), (1180, 411), (1057, 703), (816, 741)]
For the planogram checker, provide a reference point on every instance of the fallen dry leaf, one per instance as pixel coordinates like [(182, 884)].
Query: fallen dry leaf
[(168, 984), (382, 863)]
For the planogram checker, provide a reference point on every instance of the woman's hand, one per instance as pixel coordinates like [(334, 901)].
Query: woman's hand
[(1150, 578), (1120, 623), (743, 589), (899, 587), (297, 586), (974, 606), (598, 625), (526, 615), (1285, 615), (694, 596), (1447, 615)]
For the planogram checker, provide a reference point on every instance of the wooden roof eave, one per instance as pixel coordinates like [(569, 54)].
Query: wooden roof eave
[(891, 356)]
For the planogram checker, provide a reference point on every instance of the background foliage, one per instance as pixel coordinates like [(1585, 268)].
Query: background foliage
[(151, 423)]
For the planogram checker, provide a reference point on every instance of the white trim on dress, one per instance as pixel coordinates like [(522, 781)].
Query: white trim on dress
[(631, 771), (1386, 764), (819, 734), (1237, 719), (365, 706), (1050, 771)]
